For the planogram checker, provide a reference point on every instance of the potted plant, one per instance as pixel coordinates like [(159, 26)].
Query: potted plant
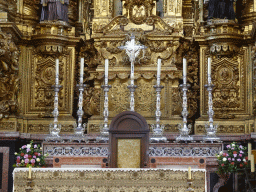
[(30, 155), (235, 159)]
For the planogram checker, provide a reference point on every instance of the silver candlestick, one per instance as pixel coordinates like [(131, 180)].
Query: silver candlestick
[(185, 129), (55, 127), (132, 50), (79, 127), (210, 128), (104, 137), (157, 129)]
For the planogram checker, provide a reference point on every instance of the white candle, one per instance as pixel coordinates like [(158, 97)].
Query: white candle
[(249, 151), (57, 71), (82, 68), (209, 66), (252, 164), (106, 71), (29, 172), (184, 67), (158, 71), (189, 173)]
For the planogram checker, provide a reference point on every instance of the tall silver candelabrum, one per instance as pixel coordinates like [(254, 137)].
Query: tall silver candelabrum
[(132, 50), (79, 127), (210, 128), (55, 127), (184, 129), (104, 137), (157, 129)]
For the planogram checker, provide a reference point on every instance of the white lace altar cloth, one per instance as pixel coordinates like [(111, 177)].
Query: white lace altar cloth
[(108, 180)]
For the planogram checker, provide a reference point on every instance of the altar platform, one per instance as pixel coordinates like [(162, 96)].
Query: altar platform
[(111, 180)]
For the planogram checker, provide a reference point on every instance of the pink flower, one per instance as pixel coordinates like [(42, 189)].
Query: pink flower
[(24, 146), (26, 160), (228, 146), (232, 148), (239, 160), (28, 150), (26, 156), (241, 147), (240, 155), (33, 161), (224, 154), (235, 155), (39, 154), (241, 152), (233, 159), (18, 157), (34, 157), (35, 146), (229, 159)]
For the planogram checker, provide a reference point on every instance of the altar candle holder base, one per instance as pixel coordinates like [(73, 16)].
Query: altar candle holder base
[(210, 128), (79, 128), (157, 136), (104, 133), (55, 127), (158, 139), (189, 181), (29, 185), (185, 129)]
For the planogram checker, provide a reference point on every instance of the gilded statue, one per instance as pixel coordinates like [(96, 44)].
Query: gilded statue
[(54, 10)]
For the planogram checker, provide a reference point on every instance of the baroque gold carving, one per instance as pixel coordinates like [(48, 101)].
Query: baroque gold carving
[(92, 101), (34, 128), (224, 129), (7, 126), (9, 80), (228, 94)]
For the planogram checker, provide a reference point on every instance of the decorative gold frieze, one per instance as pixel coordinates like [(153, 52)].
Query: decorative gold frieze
[(224, 129), (10, 126), (44, 128)]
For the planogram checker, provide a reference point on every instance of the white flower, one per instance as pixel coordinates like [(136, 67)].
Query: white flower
[(22, 161), (221, 152), (41, 148), (233, 145), (15, 153), (244, 160), (28, 146), (218, 156), (37, 159), (224, 159)]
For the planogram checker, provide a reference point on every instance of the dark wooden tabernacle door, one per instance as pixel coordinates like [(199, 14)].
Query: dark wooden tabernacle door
[(129, 141)]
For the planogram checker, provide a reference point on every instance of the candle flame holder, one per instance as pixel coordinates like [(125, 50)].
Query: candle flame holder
[(157, 136), (190, 181), (185, 129), (104, 133), (210, 128), (55, 127), (79, 127)]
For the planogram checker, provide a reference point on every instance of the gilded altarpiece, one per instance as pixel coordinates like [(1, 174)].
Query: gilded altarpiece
[(38, 77), (230, 77)]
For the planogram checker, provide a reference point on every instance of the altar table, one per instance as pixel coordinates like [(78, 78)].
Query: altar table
[(107, 180)]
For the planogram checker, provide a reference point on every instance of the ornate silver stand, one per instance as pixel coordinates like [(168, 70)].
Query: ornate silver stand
[(185, 129), (55, 127), (190, 185), (79, 127), (132, 50), (104, 133), (157, 129), (210, 128)]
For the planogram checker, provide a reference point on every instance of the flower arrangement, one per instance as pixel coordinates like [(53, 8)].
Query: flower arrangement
[(236, 158), (30, 155)]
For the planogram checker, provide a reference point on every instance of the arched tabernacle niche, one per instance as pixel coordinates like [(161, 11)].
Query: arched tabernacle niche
[(129, 128)]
